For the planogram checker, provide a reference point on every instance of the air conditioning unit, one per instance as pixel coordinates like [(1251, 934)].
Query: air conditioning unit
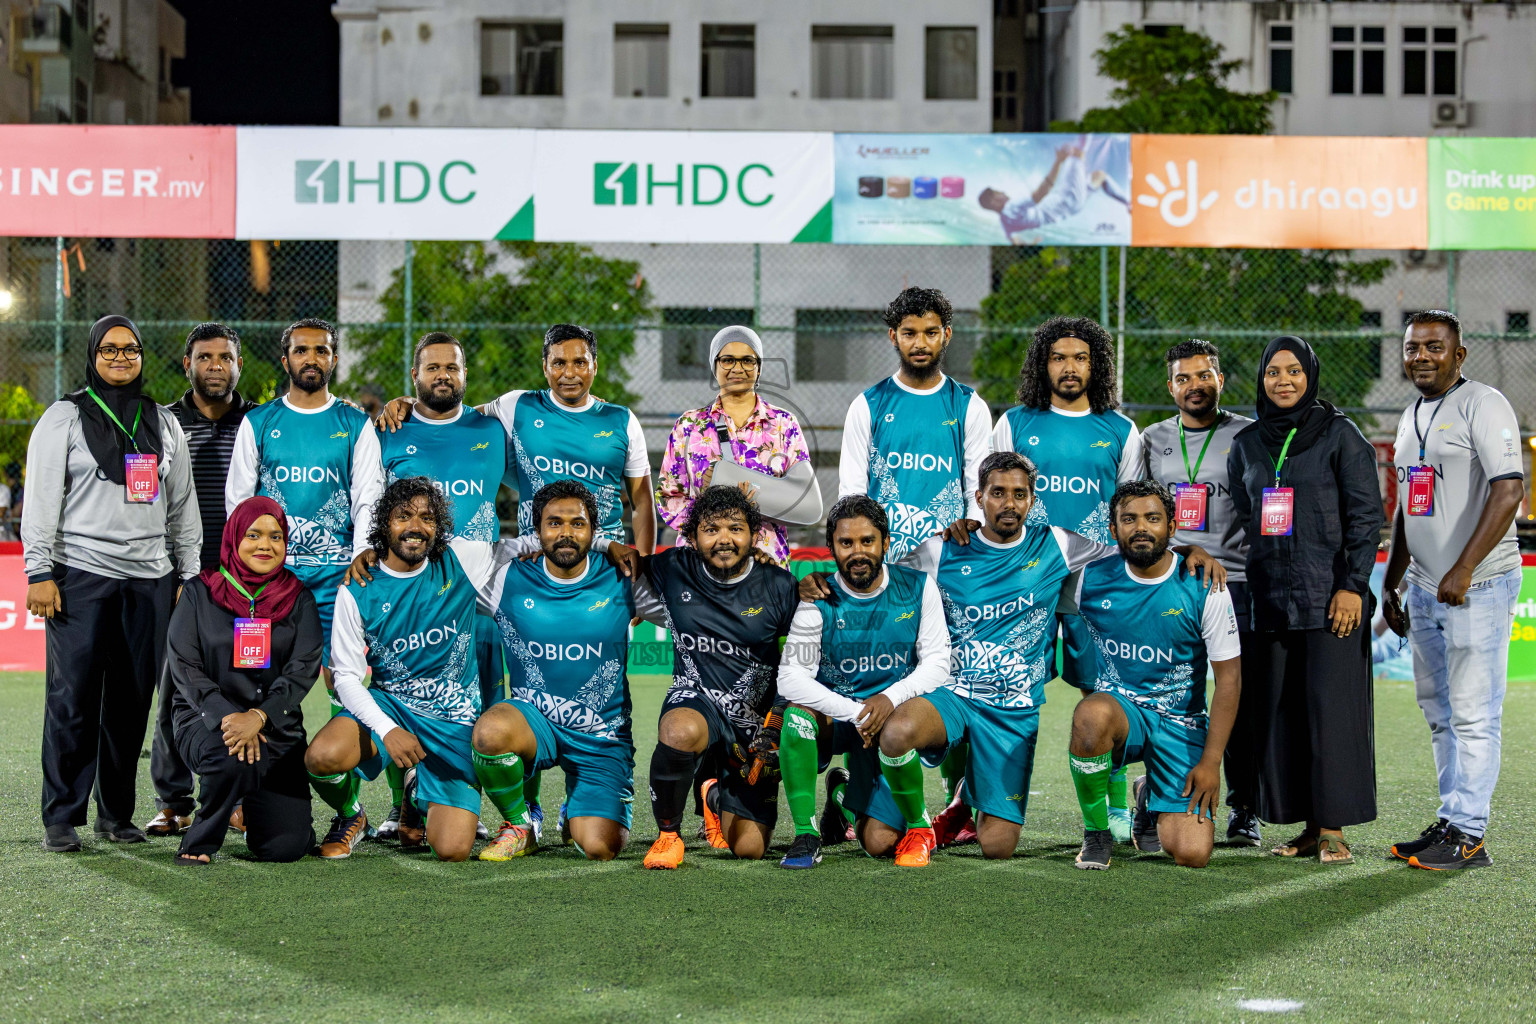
[(1424, 259), (1451, 114)]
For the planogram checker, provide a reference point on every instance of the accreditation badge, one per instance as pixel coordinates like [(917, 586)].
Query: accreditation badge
[(1189, 506), (1421, 490), (1276, 512), (142, 478), (253, 643)]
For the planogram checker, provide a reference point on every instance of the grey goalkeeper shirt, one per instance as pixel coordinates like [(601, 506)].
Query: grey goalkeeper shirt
[(1472, 438), (1225, 535), (76, 517)]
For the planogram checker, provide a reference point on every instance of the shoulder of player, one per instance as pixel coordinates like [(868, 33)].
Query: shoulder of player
[(1122, 424), (1104, 568), (905, 575)]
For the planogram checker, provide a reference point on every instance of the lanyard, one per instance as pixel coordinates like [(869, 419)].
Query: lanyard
[(1210, 433), (1423, 438), (1283, 449), (243, 592), (113, 417)]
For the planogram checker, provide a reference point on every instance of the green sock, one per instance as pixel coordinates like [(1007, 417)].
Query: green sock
[(904, 774), (501, 776), (1117, 789), (395, 776), (531, 787), (336, 707), (835, 794), (953, 769), (342, 793), (797, 764), (1091, 777)]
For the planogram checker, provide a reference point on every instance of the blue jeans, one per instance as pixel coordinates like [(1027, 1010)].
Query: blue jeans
[(1460, 669)]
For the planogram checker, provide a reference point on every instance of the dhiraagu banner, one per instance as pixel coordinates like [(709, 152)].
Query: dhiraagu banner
[(683, 186), (374, 183), (1482, 193)]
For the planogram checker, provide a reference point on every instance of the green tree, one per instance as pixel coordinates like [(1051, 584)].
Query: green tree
[(459, 286), (1172, 84), (18, 411)]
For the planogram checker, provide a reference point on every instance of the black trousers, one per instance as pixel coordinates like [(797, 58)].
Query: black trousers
[(105, 651), (275, 791), (170, 775)]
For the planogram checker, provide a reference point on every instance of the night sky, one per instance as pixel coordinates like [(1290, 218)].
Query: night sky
[(261, 61)]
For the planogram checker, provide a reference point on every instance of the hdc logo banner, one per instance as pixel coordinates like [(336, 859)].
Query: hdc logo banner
[(1279, 192), (368, 183), (126, 182), (603, 186)]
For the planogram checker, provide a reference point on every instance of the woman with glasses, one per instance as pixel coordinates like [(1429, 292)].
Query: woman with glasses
[(762, 438), (110, 526)]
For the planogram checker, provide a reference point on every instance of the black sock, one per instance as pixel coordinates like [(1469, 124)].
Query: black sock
[(671, 777), (713, 799)]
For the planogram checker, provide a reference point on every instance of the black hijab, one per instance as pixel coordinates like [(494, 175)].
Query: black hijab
[(107, 443), (1308, 417)]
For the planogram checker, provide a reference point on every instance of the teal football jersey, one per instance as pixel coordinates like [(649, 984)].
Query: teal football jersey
[(552, 442), (419, 634), (466, 457), (1153, 637), (917, 459), (868, 644), (567, 643), (1080, 458)]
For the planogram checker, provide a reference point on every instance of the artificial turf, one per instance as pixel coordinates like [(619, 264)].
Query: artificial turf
[(120, 934)]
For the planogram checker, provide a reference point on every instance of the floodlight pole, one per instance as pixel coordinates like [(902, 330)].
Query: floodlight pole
[(1120, 333), (1103, 284), (410, 252), (58, 319)]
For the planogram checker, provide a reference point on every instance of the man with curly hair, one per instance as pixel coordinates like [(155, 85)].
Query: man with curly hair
[(913, 441)]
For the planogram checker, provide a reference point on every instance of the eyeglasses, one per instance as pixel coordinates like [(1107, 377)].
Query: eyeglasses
[(731, 362), (111, 354)]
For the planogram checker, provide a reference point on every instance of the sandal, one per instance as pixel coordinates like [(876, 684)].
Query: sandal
[(1304, 845), (1330, 847), (190, 860)]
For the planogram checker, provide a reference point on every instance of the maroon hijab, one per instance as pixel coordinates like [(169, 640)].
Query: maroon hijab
[(282, 586)]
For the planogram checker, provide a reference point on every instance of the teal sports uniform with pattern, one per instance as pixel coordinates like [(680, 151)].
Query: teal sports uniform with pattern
[(1153, 639), (322, 466), (567, 648), (415, 632), (1000, 605)]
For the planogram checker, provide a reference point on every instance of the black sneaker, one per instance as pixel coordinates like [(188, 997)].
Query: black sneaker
[(1243, 827), (834, 827), (1098, 843), (1457, 850), (804, 852), (1429, 837), (1144, 822), (61, 839), (413, 824), (119, 831), (389, 828)]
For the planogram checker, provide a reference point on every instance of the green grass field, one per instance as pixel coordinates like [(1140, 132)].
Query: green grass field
[(120, 934)]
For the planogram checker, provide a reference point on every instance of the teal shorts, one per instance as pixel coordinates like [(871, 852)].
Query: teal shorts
[(447, 775), (1002, 751), (490, 657), (868, 794), (599, 772), (322, 581), (1169, 749), (1076, 659)]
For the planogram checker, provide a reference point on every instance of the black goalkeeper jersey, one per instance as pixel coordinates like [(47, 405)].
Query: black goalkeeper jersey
[(725, 636)]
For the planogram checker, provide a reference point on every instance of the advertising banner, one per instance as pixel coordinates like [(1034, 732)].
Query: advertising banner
[(109, 181), (1482, 193), (21, 632), (1279, 192), (425, 184), (1002, 189), (606, 186)]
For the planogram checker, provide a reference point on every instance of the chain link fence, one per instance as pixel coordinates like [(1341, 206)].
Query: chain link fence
[(817, 307)]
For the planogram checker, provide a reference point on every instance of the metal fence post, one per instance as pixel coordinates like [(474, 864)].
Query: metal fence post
[(1450, 280), (58, 319), (1103, 284), (405, 360), (1120, 331), (757, 285)]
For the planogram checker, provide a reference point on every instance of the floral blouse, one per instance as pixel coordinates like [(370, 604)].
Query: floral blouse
[(769, 442)]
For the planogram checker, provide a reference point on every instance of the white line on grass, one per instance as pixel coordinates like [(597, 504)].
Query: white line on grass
[(1269, 1005)]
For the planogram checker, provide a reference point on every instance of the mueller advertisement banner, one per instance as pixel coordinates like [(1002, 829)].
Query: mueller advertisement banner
[(372, 183), (1000, 189), (109, 181), (1279, 192), (1482, 193), (682, 186)]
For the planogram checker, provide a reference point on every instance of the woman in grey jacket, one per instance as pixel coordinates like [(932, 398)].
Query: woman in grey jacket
[(110, 525)]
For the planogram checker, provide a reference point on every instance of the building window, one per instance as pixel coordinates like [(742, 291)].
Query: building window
[(824, 337), (1005, 8), (685, 335), (1517, 321), (1444, 62), (640, 60), (1429, 66), (1370, 319), (522, 58), (1365, 64), (1158, 31), (1280, 66), (1343, 60), (1373, 60), (852, 62), (949, 71), (729, 62), (1005, 95)]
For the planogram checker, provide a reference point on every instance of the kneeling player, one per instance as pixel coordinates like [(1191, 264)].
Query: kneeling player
[(851, 660), (564, 621), (414, 627), (1154, 627)]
